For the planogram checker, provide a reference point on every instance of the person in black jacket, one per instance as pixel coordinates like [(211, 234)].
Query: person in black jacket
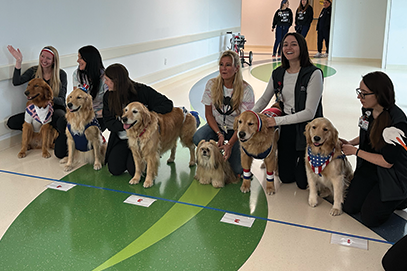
[(379, 185), (297, 85), (282, 21), (323, 28), (122, 91), (303, 18)]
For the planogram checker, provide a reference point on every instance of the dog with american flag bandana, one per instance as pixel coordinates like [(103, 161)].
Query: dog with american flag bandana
[(327, 167)]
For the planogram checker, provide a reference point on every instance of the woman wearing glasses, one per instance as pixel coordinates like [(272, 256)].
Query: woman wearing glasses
[(225, 97), (380, 183)]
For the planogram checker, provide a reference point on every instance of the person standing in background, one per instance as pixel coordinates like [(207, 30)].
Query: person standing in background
[(303, 18), (282, 21), (323, 28)]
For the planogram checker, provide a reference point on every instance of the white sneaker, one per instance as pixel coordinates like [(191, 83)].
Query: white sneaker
[(318, 55), (324, 55)]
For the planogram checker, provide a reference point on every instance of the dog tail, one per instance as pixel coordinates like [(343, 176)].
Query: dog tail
[(195, 114)]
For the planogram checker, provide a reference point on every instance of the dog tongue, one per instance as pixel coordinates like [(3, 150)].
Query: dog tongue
[(126, 126)]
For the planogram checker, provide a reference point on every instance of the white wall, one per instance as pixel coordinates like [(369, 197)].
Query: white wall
[(358, 28), (154, 37)]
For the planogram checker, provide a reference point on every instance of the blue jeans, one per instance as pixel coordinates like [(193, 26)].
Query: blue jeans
[(206, 133), (280, 33), (302, 29)]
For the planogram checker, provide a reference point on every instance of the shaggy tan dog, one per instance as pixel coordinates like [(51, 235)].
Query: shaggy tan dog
[(257, 141), (151, 134), (326, 166), (85, 140), (37, 130), (211, 166)]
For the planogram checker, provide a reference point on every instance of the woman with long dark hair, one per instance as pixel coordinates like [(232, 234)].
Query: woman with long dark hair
[(122, 91), (90, 72), (379, 185)]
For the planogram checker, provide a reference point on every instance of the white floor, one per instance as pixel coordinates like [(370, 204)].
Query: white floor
[(297, 237)]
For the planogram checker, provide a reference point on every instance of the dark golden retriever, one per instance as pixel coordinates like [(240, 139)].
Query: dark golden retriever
[(37, 130), (151, 134), (83, 131), (257, 141), (326, 165)]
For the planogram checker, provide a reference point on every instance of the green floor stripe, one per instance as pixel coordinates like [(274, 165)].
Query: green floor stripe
[(177, 216), (263, 72)]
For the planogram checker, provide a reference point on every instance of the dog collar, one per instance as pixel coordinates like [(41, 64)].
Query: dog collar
[(259, 122), (144, 130), (262, 155)]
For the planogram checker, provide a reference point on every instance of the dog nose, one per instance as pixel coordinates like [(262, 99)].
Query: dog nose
[(242, 134), (124, 119), (70, 105), (26, 93), (317, 138)]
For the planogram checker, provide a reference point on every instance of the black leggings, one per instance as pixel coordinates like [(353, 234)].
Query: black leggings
[(363, 196), (291, 167), (120, 159), (395, 257)]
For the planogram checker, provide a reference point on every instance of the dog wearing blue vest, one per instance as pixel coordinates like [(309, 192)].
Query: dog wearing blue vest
[(328, 169), (257, 141), (83, 132)]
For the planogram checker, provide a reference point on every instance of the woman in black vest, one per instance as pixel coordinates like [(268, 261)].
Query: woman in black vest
[(379, 185), (297, 84)]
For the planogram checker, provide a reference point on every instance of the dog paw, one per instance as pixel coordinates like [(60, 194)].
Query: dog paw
[(46, 155), (63, 160), (68, 168), (218, 184), (148, 183), (134, 180), (97, 166), (170, 160), (270, 189), (245, 186), (335, 212), (21, 155), (192, 163), (312, 202)]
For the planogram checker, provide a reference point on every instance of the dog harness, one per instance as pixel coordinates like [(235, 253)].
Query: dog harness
[(81, 142), (319, 162), (38, 116)]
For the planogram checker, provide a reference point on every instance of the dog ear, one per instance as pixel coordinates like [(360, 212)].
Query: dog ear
[(213, 142), (200, 143), (335, 136), (307, 133), (48, 92), (236, 123), (146, 115)]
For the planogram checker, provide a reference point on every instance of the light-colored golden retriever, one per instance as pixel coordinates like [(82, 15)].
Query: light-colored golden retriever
[(37, 130), (151, 134), (335, 173), (257, 141), (211, 165), (85, 141)]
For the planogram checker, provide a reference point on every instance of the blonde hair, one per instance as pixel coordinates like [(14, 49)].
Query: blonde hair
[(238, 84), (55, 81)]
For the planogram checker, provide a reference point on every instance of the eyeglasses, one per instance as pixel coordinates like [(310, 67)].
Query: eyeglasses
[(362, 95)]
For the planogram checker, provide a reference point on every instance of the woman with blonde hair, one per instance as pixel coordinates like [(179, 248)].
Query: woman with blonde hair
[(225, 97), (47, 69)]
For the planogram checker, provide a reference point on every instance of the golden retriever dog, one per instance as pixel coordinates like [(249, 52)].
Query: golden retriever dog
[(211, 166), (37, 130), (83, 131), (257, 141), (151, 134), (326, 166)]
